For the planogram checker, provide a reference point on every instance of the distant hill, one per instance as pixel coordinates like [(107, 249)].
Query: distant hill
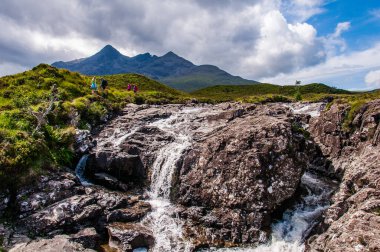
[(225, 92), (170, 69)]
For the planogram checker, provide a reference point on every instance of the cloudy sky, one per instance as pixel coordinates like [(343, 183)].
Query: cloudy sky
[(336, 42)]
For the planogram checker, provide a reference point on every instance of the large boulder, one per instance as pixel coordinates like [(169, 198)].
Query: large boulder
[(236, 177), (128, 236)]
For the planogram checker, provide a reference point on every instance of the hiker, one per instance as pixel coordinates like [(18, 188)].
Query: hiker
[(93, 87), (135, 88), (129, 87), (104, 85)]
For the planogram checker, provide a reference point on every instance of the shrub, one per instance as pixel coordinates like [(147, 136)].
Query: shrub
[(139, 100)]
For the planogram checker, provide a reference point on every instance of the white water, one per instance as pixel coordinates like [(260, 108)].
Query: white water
[(166, 227), (118, 136), (289, 233), (312, 109), (80, 169)]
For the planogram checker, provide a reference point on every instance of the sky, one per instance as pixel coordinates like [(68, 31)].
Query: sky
[(336, 42)]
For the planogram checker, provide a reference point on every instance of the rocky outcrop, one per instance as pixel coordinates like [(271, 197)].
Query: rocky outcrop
[(126, 237), (58, 243), (352, 222), (128, 161), (235, 178), (59, 204)]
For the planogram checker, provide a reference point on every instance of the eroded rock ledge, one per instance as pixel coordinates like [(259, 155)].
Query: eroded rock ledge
[(352, 222)]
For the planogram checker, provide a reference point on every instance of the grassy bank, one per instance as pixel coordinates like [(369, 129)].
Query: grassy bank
[(31, 141), (268, 92)]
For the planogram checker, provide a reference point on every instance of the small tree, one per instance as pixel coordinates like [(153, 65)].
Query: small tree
[(41, 114), (297, 95)]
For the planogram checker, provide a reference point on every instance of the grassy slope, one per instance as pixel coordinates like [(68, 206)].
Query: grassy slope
[(22, 153), (258, 92)]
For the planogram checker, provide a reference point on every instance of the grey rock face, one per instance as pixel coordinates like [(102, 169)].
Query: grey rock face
[(237, 176), (352, 222), (58, 243), (126, 237)]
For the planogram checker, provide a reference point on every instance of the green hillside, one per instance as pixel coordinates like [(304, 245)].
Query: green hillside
[(37, 123), (261, 92), (204, 76)]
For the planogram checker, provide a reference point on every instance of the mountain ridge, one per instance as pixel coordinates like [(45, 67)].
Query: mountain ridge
[(169, 68)]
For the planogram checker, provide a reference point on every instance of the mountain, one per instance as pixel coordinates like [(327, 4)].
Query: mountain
[(170, 69)]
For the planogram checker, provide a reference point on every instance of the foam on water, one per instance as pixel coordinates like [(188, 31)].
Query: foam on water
[(312, 109), (288, 234), (166, 227)]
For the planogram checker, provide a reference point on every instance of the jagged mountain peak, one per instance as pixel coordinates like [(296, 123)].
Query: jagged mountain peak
[(170, 68)]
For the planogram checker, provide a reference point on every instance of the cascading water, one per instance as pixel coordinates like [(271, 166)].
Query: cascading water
[(166, 228), (297, 222), (80, 169)]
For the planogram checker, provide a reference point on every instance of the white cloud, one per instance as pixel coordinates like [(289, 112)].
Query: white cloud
[(375, 13), (10, 68), (302, 10), (340, 28), (372, 79), (282, 47), (250, 38), (336, 69), (257, 39)]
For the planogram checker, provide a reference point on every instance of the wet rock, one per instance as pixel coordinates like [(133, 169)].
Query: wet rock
[(49, 189), (110, 182), (352, 222), (135, 213), (63, 214), (58, 243), (126, 237), (123, 166), (240, 174), (88, 237)]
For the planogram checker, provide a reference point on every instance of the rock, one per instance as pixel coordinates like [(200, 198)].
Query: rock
[(135, 213), (327, 130), (88, 237), (63, 214), (58, 243), (4, 200), (123, 166), (110, 182), (48, 190), (126, 237), (240, 175), (352, 222)]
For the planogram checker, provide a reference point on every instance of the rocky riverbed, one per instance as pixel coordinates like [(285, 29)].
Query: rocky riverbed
[(197, 176)]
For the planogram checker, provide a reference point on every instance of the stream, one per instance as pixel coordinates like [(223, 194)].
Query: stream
[(288, 234)]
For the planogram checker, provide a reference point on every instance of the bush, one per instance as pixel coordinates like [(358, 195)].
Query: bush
[(298, 96), (139, 100)]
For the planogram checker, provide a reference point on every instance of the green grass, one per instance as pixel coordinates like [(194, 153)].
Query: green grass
[(262, 92)]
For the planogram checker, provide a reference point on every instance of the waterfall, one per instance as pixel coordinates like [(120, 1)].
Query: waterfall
[(80, 169), (166, 227), (289, 233)]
